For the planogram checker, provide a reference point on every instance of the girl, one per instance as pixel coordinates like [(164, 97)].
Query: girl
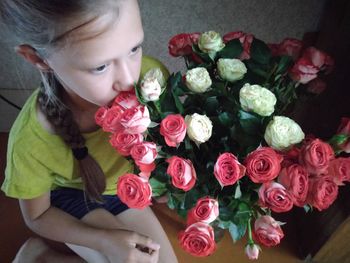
[(87, 52)]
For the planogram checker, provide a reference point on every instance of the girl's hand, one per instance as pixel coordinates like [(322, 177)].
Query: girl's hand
[(127, 246)]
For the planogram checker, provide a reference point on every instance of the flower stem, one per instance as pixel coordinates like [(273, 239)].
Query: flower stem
[(250, 236)]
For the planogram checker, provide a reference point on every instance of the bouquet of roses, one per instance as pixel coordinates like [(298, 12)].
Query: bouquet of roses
[(217, 143)]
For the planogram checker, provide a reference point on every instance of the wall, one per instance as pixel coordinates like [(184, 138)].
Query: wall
[(269, 20)]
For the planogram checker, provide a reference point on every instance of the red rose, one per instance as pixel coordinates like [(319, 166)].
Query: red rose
[(274, 196), (173, 128), (134, 191), (339, 170), (127, 99), (274, 49), (111, 120), (315, 156), (290, 157), (228, 170), (267, 231), (303, 71), (319, 59), (316, 86), (181, 44), (100, 115), (245, 39), (322, 192), (206, 211), (182, 173), (198, 240), (144, 154), (123, 142), (135, 120), (344, 128), (263, 165), (296, 180), (290, 47)]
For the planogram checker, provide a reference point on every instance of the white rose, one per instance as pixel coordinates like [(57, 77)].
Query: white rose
[(257, 99), (231, 69), (283, 132), (155, 73), (199, 128), (198, 80), (210, 42), (150, 89)]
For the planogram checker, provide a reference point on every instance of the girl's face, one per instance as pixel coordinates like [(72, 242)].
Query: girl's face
[(95, 68)]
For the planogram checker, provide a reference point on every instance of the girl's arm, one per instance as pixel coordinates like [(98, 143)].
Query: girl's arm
[(55, 224)]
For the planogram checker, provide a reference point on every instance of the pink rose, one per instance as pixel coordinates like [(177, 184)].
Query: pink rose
[(290, 47), (144, 154), (315, 156), (267, 231), (319, 59), (339, 170), (127, 99), (123, 142), (303, 71), (316, 86), (206, 211), (263, 165), (181, 44), (100, 115), (135, 120), (344, 128), (198, 240), (252, 251), (173, 128), (296, 180), (182, 173), (322, 192), (245, 39), (228, 170), (274, 196), (290, 157), (134, 191), (111, 120)]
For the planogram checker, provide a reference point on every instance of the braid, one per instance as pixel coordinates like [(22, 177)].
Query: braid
[(61, 118)]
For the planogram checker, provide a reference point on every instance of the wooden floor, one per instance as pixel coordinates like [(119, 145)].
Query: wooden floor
[(13, 233)]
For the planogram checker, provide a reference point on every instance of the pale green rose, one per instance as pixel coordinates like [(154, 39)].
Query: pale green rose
[(150, 89), (257, 99), (199, 128), (198, 80), (282, 132), (210, 42), (231, 69), (155, 73)]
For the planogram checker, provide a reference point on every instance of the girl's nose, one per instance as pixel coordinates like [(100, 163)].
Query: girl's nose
[(124, 80)]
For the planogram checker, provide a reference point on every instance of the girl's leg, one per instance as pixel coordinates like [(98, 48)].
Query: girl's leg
[(146, 223)]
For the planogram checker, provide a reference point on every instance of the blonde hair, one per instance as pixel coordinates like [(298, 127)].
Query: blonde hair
[(45, 25)]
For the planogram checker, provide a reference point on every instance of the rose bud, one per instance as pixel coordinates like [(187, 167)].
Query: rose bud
[(210, 42), (252, 251), (257, 99), (150, 89), (303, 71)]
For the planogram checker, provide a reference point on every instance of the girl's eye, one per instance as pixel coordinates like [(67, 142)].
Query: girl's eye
[(135, 49), (100, 69)]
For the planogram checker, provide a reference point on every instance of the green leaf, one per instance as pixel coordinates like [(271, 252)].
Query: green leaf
[(226, 119), (211, 105), (260, 52), (250, 123), (224, 224), (158, 188), (232, 49), (237, 231), (178, 103), (238, 192), (283, 65)]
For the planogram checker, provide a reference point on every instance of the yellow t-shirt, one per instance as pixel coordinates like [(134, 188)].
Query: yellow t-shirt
[(38, 161)]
